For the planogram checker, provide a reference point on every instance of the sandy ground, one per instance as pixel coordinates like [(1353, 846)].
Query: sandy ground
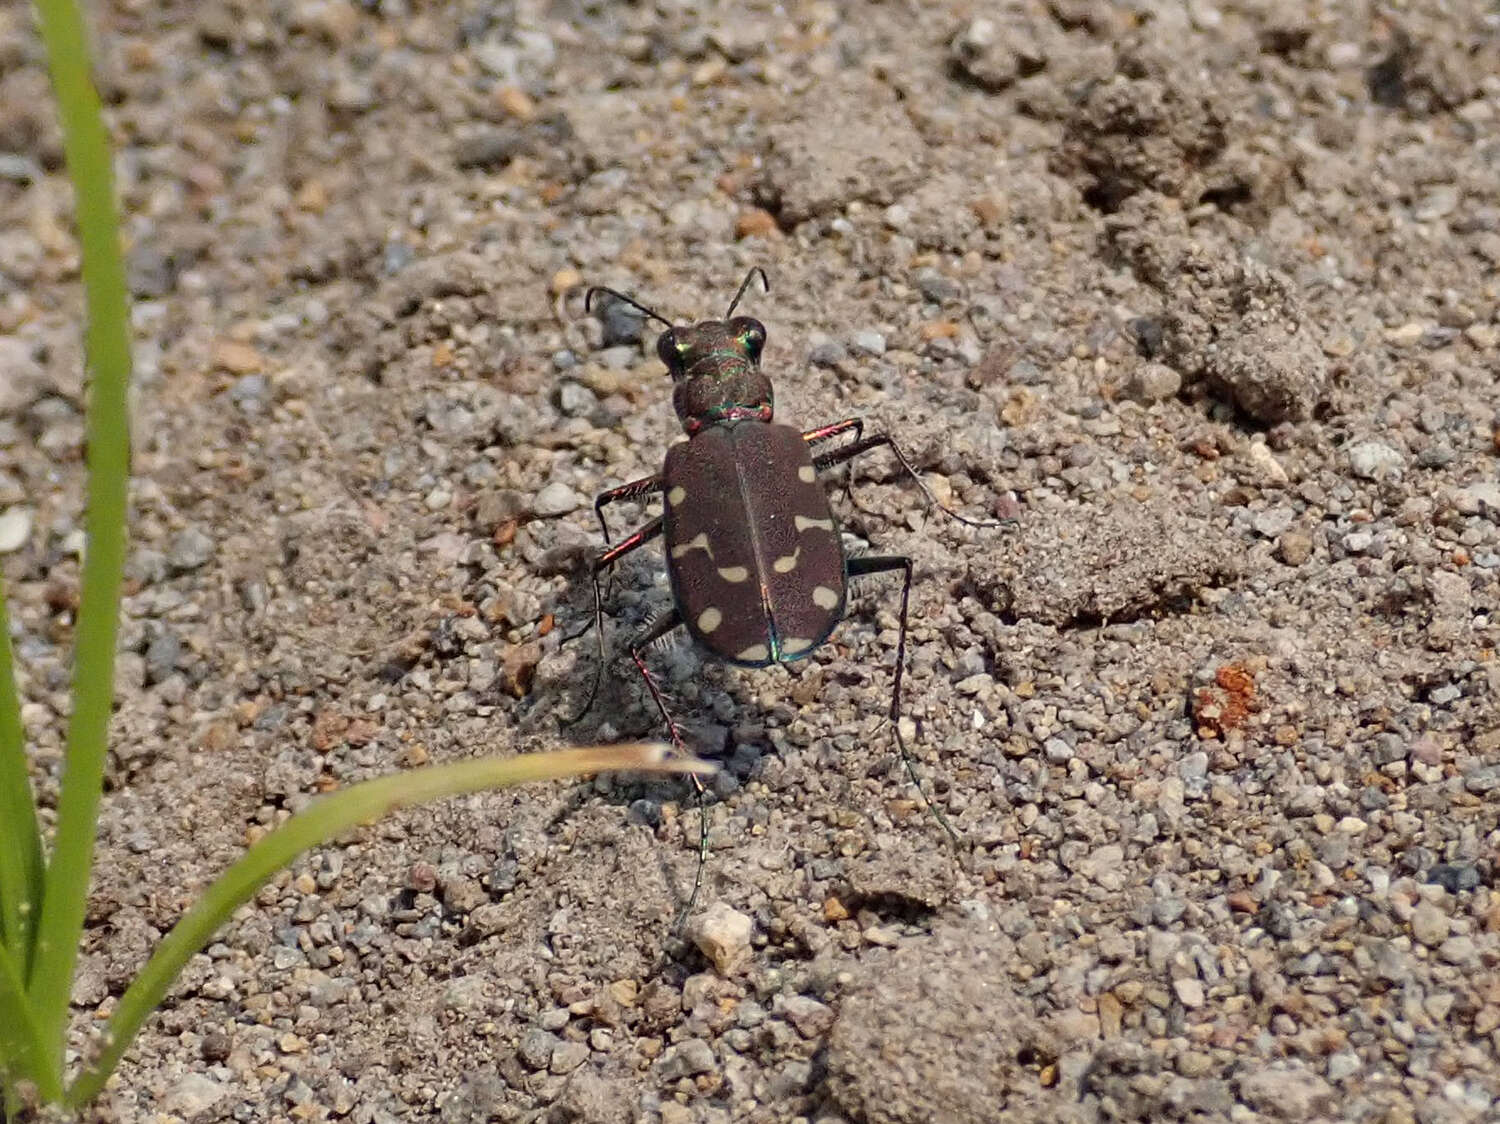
[(1203, 296)]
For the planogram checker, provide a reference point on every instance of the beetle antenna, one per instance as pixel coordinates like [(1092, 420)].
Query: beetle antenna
[(588, 303), (745, 284)]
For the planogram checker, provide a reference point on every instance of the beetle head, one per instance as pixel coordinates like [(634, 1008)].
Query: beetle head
[(715, 366)]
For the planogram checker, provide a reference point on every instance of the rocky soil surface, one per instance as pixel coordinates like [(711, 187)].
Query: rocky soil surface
[(1203, 296)]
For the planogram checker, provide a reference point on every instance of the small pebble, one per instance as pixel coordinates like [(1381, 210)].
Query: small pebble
[(1481, 781), (22, 378), (15, 529), (190, 549), (556, 499), (868, 343), (491, 147), (1478, 499), (536, 1048), (1455, 877), (1295, 548), (1189, 992), (237, 358), (249, 391), (1285, 1091), (1374, 460), (1440, 454), (575, 400), (1458, 950), (622, 324), (687, 1059), (568, 1056), (1444, 694), (1265, 462), (1406, 335), (1153, 382), (619, 358), (811, 1018), (828, 354), (1429, 924), (722, 934), (756, 223), (162, 656), (193, 1095), (1343, 1065), (1273, 521), (937, 287)]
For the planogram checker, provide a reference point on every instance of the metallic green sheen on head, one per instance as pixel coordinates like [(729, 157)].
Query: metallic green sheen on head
[(715, 365)]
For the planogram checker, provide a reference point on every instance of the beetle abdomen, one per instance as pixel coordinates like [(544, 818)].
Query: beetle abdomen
[(753, 551)]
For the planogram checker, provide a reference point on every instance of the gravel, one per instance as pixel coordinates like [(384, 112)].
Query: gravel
[(1205, 306)]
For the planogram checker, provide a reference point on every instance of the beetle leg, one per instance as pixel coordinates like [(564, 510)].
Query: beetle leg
[(823, 433), (658, 629), (637, 647), (642, 487), (882, 564), (865, 444), (605, 560)]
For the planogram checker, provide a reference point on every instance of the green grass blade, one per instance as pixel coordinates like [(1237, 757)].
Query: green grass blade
[(107, 349), (23, 1051), (319, 822), (20, 841)]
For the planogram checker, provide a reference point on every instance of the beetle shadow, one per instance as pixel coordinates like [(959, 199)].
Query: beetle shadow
[(719, 709), (718, 712)]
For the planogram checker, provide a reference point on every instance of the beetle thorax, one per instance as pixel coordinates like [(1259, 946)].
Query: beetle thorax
[(731, 392), (716, 368)]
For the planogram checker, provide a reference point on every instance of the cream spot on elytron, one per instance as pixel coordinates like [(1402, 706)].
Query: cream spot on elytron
[(734, 574), (807, 474), (787, 562), (824, 598), (676, 495), (698, 542), (753, 653), (795, 645), (709, 619), (803, 523)]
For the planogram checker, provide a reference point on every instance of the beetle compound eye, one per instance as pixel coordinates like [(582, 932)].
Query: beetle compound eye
[(751, 334), (668, 349)]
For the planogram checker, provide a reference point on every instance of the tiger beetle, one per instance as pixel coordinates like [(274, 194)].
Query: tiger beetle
[(758, 570)]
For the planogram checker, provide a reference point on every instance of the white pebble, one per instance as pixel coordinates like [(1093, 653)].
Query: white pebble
[(722, 934), (555, 499), (15, 529)]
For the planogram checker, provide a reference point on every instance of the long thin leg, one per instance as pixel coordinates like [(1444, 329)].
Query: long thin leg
[(637, 648), (605, 560), (882, 564), (865, 444), (645, 486), (823, 433)]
